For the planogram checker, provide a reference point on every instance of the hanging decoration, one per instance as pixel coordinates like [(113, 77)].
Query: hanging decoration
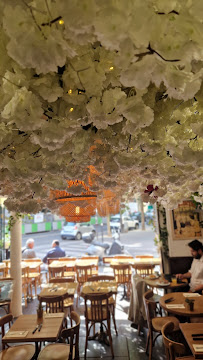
[(78, 204), (109, 204)]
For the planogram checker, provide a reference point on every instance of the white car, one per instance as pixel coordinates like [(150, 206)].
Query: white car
[(127, 223), (75, 231)]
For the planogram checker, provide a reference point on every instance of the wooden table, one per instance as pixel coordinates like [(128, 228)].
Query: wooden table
[(61, 289), (99, 287), (157, 284), (180, 299), (32, 265), (50, 330), (188, 330)]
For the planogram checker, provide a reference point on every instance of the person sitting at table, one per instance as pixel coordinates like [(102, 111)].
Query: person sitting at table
[(195, 274), (29, 252), (55, 252)]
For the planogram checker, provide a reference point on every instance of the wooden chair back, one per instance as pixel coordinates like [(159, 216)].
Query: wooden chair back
[(7, 319), (60, 280), (35, 260), (72, 336), (123, 257), (98, 309), (144, 269), (101, 278), (150, 307), (122, 273), (54, 304), (83, 273), (50, 260), (56, 272), (66, 259), (90, 257), (107, 259), (172, 348)]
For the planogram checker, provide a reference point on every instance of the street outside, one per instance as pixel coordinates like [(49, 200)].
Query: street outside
[(136, 242)]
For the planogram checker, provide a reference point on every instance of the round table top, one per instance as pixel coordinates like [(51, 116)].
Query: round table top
[(156, 283), (179, 298)]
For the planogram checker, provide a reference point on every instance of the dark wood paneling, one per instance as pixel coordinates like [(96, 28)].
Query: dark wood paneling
[(180, 264)]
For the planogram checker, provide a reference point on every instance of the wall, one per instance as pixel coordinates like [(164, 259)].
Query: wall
[(177, 248)]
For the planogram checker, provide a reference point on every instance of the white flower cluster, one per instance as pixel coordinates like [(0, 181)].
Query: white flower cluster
[(113, 84)]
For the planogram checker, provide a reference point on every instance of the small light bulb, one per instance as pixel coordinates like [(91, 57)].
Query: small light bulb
[(71, 109), (70, 91), (61, 22), (77, 210), (111, 68)]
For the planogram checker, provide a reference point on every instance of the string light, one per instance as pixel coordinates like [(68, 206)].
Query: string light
[(111, 68), (71, 109), (70, 91), (77, 210), (61, 22)]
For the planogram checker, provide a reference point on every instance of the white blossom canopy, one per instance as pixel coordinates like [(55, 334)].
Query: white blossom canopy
[(114, 84)]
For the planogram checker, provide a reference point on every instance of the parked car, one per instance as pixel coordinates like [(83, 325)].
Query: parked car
[(137, 216), (127, 222), (75, 231)]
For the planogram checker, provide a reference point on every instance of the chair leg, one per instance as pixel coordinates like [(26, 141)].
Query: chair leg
[(110, 338), (86, 340), (35, 286), (147, 344), (114, 320), (150, 345)]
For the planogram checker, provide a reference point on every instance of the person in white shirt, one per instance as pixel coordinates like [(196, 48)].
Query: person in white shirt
[(29, 252), (195, 274)]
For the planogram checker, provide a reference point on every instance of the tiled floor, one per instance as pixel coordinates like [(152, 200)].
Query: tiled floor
[(128, 345)]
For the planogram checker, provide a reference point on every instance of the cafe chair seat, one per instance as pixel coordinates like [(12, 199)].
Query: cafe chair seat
[(159, 322), (20, 352), (55, 352), (66, 351)]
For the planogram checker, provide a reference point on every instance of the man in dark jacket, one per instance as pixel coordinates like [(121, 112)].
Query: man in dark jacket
[(55, 252)]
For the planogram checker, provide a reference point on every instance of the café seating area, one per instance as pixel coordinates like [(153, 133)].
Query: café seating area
[(79, 309)]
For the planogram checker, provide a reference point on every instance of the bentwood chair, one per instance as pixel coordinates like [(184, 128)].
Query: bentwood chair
[(25, 352), (122, 274), (34, 274), (112, 299), (93, 258), (144, 269), (68, 351), (154, 323), (68, 301), (97, 311), (173, 348), (83, 273), (53, 304), (56, 272)]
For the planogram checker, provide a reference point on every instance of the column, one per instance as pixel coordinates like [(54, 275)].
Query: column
[(16, 250)]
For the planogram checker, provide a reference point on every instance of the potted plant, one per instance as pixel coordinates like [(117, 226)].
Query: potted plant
[(40, 312), (190, 303)]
